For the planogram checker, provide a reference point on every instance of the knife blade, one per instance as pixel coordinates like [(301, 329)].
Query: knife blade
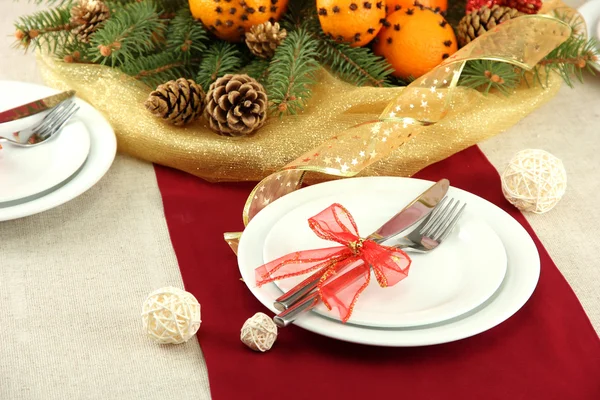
[(413, 213), (34, 107)]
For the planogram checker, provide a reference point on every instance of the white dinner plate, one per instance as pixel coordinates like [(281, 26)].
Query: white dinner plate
[(458, 276), (522, 273), (25, 172), (102, 150)]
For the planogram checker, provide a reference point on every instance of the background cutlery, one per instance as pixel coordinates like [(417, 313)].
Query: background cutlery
[(34, 107)]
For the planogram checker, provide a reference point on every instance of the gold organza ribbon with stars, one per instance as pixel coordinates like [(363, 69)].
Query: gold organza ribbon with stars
[(429, 99)]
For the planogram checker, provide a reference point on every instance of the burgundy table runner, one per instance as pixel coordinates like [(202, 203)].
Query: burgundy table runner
[(547, 350)]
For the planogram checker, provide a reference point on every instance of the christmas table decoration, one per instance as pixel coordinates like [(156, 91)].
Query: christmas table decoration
[(259, 332), (319, 86), (171, 315), (534, 181)]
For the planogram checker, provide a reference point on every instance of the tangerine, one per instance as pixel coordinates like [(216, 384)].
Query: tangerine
[(351, 21), (230, 20), (435, 5), (414, 41)]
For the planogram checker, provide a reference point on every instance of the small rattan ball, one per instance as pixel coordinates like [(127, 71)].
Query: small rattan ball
[(259, 332), (171, 315), (534, 180)]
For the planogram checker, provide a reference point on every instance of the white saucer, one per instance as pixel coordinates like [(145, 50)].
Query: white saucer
[(458, 276)]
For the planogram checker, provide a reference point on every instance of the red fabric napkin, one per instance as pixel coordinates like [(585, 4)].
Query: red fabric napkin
[(547, 350)]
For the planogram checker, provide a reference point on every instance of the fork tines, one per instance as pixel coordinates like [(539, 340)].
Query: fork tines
[(443, 219)]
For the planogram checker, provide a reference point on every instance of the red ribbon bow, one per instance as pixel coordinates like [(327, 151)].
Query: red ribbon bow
[(346, 268)]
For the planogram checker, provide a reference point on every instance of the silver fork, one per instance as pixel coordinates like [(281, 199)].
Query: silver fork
[(426, 237), (47, 128)]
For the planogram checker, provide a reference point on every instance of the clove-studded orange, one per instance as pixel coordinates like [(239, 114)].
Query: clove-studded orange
[(435, 5), (414, 41), (231, 19), (351, 21)]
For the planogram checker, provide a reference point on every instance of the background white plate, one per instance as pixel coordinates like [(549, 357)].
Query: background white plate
[(458, 276), (25, 172), (103, 147), (523, 266)]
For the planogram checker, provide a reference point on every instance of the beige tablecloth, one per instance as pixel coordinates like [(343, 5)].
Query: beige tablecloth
[(72, 279)]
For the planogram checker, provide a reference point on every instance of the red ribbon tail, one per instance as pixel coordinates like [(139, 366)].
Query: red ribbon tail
[(341, 291)]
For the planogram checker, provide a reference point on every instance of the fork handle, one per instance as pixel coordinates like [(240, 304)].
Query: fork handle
[(286, 317), (286, 300)]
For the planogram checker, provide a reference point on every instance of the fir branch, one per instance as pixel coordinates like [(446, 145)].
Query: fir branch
[(258, 69), (156, 68), (47, 29), (75, 51), (186, 36), (220, 59), (569, 60), (292, 71), (130, 33), (357, 65), (485, 75)]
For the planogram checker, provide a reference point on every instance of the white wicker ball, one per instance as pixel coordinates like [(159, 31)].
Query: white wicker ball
[(259, 332), (171, 315), (534, 180)]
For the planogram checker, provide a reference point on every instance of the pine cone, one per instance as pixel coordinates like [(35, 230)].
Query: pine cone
[(179, 102), (86, 16), (236, 105), (263, 39), (478, 22)]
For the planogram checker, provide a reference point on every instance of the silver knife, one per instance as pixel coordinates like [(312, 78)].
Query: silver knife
[(34, 107), (413, 213)]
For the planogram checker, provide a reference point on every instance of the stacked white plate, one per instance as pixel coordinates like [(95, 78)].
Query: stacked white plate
[(36, 179), (480, 276)]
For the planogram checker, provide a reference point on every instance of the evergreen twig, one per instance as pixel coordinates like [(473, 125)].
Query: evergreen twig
[(220, 59), (292, 72), (485, 75), (47, 29), (128, 34), (185, 36), (156, 68), (258, 69), (357, 65), (569, 60)]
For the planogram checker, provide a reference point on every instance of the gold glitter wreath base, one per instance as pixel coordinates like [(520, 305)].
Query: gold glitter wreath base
[(334, 107)]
